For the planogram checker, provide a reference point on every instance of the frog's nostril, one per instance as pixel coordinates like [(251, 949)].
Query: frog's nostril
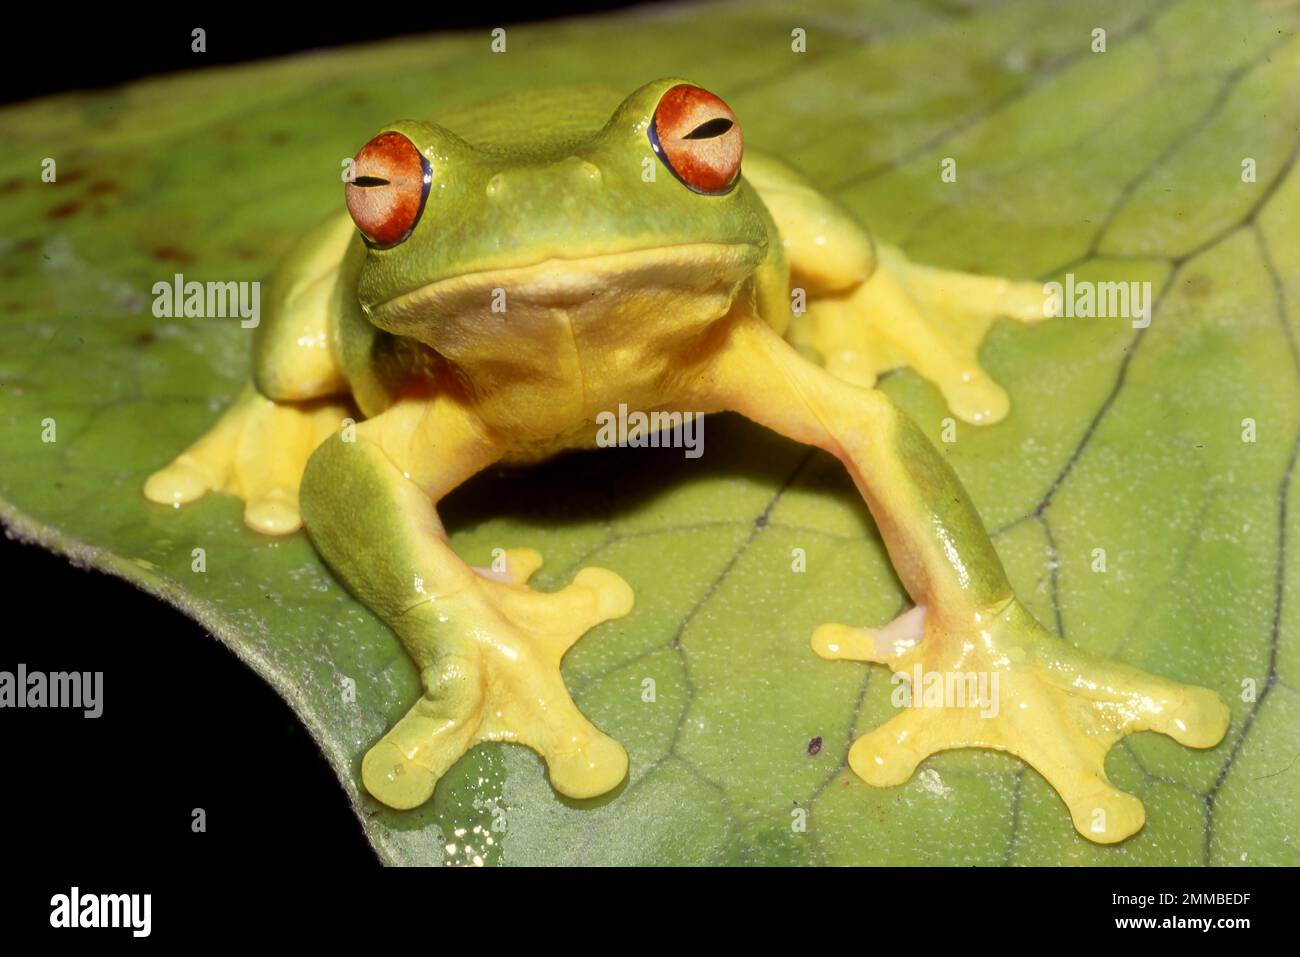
[(494, 185), (589, 170)]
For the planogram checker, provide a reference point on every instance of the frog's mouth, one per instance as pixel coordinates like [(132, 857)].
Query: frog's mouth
[(705, 269)]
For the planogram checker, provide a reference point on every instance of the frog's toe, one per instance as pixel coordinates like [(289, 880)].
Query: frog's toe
[(1100, 811), (1002, 682), (977, 297), (889, 755), (529, 704), (183, 481), (274, 511), (556, 620), (582, 760), (1022, 301), (404, 766), (975, 398), (1192, 716), (591, 770), (1200, 721), (395, 777), (890, 644)]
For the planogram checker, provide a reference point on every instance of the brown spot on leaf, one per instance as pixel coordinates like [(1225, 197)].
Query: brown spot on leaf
[(278, 138), (814, 746), (146, 338), (171, 254), (11, 185), (64, 210), (102, 187), (1198, 286)]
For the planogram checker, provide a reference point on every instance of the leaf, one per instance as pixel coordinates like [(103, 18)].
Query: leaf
[(1115, 166)]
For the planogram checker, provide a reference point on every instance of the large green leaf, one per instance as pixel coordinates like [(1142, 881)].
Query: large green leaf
[(1122, 165)]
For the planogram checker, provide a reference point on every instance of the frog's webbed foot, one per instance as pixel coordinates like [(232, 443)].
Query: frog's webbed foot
[(999, 680), (256, 451), (491, 657), (932, 320)]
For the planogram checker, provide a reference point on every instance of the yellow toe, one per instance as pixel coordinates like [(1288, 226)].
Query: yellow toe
[(595, 766), (179, 483), (275, 513), (394, 779)]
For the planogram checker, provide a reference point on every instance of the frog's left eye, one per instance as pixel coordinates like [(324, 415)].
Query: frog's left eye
[(386, 192), (698, 138)]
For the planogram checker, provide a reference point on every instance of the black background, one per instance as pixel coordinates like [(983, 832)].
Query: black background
[(44, 51)]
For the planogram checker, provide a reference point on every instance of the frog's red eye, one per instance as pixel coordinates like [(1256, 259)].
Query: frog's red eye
[(698, 138), (387, 189)]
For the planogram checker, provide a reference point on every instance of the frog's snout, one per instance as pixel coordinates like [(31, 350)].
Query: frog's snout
[(573, 171)]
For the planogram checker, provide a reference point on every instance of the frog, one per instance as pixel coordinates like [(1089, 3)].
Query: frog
[(501, 279)]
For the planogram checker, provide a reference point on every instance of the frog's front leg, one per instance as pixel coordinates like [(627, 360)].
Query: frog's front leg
[(488, 650), (1056, 707)]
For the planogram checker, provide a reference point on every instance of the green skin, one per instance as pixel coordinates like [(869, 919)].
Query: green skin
[(621, 285)]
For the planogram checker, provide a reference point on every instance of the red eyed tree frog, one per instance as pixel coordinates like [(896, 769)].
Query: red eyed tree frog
[(638, 265)]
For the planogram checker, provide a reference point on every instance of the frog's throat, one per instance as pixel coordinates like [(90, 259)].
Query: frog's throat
[(560, 281)]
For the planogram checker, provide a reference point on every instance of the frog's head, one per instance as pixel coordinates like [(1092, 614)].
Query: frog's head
[(548, 215)]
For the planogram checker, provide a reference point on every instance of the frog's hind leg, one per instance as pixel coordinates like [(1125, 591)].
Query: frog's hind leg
[(929, 319), (488, 647), (257, 451), (990, 675), (259, 447), (868, 309)]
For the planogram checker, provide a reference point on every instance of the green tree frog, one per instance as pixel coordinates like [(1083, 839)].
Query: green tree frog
[(499, 282)]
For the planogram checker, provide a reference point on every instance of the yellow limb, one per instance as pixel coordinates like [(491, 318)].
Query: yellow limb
[(868, 309), (931, 320), (293, 348), (983, 672), (256, 451), (488, 647)]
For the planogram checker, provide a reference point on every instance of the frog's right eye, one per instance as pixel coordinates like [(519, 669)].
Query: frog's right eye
[(387, 189), (698, 138)]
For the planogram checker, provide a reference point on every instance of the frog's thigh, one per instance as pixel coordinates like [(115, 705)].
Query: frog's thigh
[(293, 346), (488, 650), (1057, 708), (828, 250)]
